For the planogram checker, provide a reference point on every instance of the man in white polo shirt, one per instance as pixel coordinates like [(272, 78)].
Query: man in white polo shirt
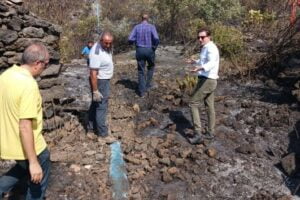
[(101, 71), (207, 68)]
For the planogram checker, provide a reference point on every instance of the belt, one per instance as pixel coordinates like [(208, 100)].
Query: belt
[(202, 77), (143, 47)]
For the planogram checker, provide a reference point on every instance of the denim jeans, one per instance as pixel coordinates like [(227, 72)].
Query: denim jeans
[(144, 55), (20, 170), (98, 110)]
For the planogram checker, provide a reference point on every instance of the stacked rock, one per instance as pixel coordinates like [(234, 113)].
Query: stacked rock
[(296, 91), (18, 29)]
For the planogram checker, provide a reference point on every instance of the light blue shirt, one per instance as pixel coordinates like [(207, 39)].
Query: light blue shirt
[(85, 51)]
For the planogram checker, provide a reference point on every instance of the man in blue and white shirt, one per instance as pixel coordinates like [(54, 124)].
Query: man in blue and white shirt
[(101, 71), (207, 68)]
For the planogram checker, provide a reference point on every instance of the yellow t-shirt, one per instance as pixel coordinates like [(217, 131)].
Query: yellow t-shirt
[(19, 99)]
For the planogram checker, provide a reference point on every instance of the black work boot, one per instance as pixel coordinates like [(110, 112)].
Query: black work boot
[(197, 139), (208, 135)]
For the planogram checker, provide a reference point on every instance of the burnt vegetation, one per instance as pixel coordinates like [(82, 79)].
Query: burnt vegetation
[(255, 154)]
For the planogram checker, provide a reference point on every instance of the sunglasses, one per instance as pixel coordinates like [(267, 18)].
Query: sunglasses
[(201, 37), (46, 64)]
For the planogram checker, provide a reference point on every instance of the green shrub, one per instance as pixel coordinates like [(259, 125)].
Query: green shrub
[(229, 39), (120, 30), (190, 31), (177, 19), (75, 36), (219, 10)]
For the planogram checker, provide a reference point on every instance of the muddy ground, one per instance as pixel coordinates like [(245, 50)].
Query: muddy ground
[(257, 125)]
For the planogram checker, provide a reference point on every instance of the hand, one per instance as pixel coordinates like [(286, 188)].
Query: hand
[(190, 61), (97, 96), (36, 173), (196, 68)]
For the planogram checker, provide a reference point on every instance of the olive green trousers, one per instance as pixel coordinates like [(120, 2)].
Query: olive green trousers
[(203, 92)]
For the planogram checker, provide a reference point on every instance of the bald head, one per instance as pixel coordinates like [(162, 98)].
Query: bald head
[(106, 40), (35, 52), (106, 34)]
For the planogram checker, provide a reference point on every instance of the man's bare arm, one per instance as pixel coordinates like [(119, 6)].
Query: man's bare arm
[(97, 96), (93, 75), (27, 140)]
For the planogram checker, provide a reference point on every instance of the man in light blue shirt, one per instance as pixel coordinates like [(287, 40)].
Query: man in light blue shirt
[(86, 51), (207, 68)]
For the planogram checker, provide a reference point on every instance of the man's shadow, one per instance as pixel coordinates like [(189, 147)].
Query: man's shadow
[(127, 83), (182, 123), (290, 163)]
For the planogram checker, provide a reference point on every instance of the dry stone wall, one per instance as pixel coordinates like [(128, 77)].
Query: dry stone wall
[(296, 91), (19, 28)]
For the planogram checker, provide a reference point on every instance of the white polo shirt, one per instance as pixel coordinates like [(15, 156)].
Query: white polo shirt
[(101, 60), (209, 60)]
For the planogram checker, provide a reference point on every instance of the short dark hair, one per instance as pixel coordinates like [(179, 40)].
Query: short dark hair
[(145, 16), (206, 30), (34, 52)]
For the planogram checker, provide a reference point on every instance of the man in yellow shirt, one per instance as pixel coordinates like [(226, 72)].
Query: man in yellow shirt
[(21, 124)]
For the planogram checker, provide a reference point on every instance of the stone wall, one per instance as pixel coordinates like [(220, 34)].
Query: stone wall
[(296, 91), (19, 28), (291, 74)]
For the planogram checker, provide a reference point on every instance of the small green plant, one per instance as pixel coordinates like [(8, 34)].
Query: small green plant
[(188, 83), (256, 17)]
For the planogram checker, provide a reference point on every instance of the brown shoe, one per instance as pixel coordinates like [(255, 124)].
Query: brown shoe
[(91, 135), (108, 139)]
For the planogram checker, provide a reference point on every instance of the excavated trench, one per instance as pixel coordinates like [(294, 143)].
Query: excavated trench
[(256, 127)]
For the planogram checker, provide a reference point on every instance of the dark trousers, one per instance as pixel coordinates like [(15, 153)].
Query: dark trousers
[(98, 110), (88, 62), (20, 170), (144, 55)]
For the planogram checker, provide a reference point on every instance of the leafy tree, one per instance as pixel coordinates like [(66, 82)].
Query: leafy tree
[(177, 16), (219, 10)]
